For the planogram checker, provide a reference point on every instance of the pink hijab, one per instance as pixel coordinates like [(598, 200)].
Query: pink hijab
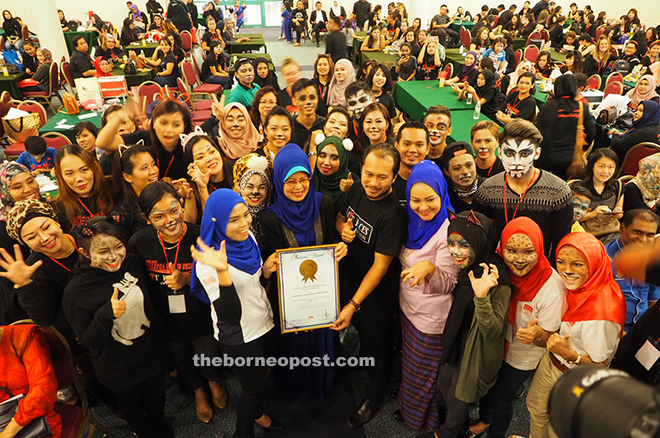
[(336, 89), (236, 148)]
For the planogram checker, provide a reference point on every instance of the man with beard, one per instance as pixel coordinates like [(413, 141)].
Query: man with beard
[(245, 90), (373, 225), (412, 142), (438, 123), (460, 169), (306, 99), (523, 190)]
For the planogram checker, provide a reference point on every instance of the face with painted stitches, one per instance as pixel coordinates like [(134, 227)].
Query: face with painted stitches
[(255, 190), (580, 206), (460, 250), (518, 156), (462, 171), (572, 267), (166, 217), (520, 255), (307, 100), (106, 252)]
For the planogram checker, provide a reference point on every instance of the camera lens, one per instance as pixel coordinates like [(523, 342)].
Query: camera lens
[(591, 401)]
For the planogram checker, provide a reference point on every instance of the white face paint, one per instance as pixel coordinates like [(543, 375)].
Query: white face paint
[(518, 156)]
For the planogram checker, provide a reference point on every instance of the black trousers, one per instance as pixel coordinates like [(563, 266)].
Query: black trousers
[(375, 328), (142, 405), (457, 410), (182, 351), (254, 384), (317, 29), (299, 29)]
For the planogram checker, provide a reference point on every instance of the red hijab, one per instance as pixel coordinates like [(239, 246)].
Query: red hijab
[(600, 297), (528, 286)]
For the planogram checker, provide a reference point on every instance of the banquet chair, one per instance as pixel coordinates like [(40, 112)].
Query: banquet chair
[(630, 163)]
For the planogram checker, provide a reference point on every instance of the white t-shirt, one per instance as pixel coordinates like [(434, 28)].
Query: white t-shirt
[(548, 306), (596, 339)]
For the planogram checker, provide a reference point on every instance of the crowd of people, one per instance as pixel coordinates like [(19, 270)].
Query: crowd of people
[(484, 264)]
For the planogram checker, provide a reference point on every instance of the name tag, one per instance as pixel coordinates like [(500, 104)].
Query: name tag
[(177, 303), (648, 355)]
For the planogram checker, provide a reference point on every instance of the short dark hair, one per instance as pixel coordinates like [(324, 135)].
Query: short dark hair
[(581, 79), (336, 20), (439, 109), (28, 43), (153, 193), (356, 86), (580, 190), (585, 37), (85, 124), (301, 84), (645, 214), (278, 111), (513, 7), (413, 124), (386, 151), (75, 40), (519, 128), (527, 74), (98, 225), (241, 62), (35, 145)]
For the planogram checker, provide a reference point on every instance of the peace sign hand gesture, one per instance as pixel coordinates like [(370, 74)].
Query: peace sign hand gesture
[(482, 286)]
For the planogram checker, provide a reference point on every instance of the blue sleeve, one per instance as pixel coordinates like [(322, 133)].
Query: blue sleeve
[(487, 53), (25, 160), (654, 293)]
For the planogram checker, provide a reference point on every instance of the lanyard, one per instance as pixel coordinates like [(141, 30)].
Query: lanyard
[(89, 211), (178, 246), (321, 93), (168, 166), (506, 212), (490, 170), (58, 262)]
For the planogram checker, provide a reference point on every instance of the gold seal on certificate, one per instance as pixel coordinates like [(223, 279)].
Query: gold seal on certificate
[(308, 283)]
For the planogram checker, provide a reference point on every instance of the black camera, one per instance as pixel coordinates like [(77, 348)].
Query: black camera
[(591, 401)]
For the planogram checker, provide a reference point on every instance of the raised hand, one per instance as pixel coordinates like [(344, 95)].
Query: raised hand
[(529, 334), (481, 286), (16, 270), (348, 232), (416, 274), (197, 176), (218, 106), (118, 306), (216, 258), (177, 279), (347, 183)]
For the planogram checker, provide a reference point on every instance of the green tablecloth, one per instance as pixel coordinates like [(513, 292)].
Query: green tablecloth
[(358, 39), (51, 125), (266, 56), (456, 25), (149, 48), (556, 56), (256, 42), (89, 36), (10, 83), (136, 79), (382, 57), (415, 97), (461, 125)]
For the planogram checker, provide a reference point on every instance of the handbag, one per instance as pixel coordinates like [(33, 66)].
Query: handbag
[(130, 68), (577, 167), (19, 129), (13, 57), (70, 104), (607, 116), (37, 428), (604, 224)]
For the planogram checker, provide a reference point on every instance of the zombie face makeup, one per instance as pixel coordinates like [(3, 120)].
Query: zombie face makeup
[(518, 156), (520, 255), (167, 218), (460, 250), (580, 207), (106, 252), (357, 103)]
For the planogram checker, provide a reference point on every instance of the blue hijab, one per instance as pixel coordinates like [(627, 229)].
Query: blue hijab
[(651, 116), (244, 256), (299, 217), (419, 230)]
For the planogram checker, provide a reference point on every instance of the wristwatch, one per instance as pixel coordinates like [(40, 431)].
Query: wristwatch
[(356, 305), (576, 361)]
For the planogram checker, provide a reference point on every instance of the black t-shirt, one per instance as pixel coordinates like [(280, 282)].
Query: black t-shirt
[(146, 245), (87, 208), (520, 109), (170, 59), (428, 67), (380, 228), (211, 36), (299, 14), (300, 135), (211, 61), (335, 45), (399, 188), (10, 310), (388, 101), (493, 170), (169, 164)]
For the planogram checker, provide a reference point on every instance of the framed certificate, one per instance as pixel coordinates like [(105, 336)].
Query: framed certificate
[(308, 281)]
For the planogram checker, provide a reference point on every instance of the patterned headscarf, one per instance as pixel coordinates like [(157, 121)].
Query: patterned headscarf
[(24, 211), (8, 171), (647, 179), (244, 168)]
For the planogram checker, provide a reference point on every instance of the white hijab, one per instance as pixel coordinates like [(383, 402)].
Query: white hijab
[(336, 8)]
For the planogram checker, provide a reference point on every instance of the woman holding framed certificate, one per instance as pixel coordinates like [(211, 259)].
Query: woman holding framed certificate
[(427, 279), (228, 274), (300, 217)]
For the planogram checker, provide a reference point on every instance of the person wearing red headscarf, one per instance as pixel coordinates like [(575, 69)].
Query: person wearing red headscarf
[(591, 327), (534, 314)]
